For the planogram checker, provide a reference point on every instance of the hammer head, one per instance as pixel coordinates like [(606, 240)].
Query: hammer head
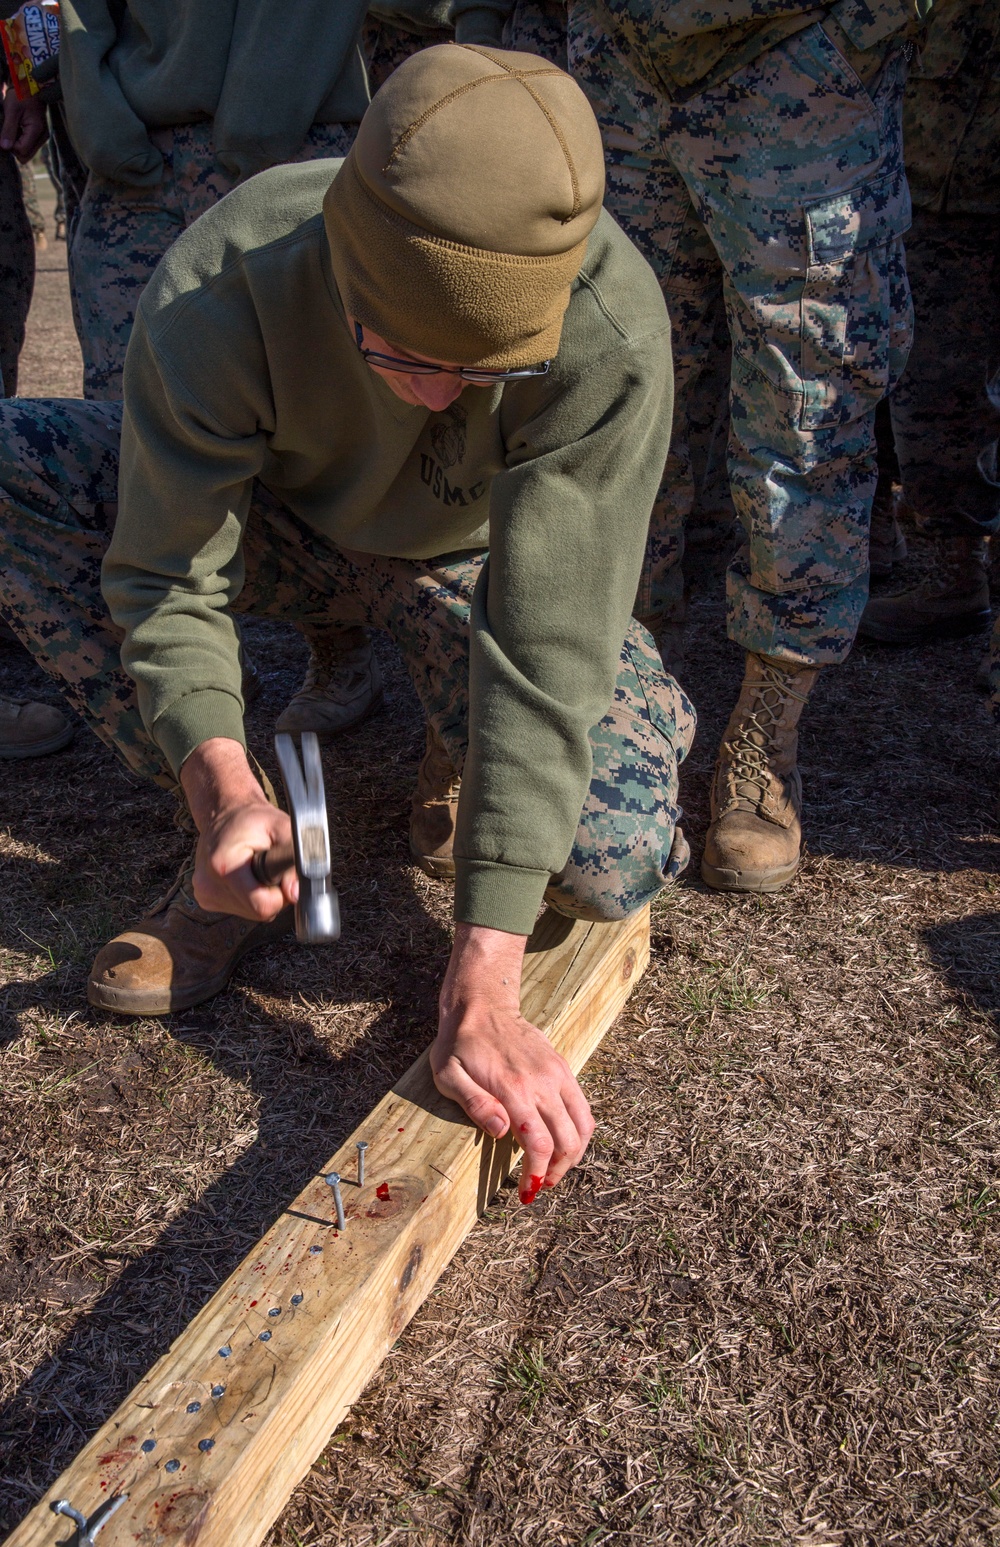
[(317, 912)]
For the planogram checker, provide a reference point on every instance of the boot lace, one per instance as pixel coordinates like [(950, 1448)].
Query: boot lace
[(755, 740)]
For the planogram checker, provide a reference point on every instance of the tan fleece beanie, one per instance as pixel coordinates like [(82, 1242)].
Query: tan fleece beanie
[(460, 218)]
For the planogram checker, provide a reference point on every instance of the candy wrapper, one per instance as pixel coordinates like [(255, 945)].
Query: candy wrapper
[(30, 37)]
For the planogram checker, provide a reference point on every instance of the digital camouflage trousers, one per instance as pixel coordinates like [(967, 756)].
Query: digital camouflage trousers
[(17, 271), (785, 184), (121, 233), (58, 499)]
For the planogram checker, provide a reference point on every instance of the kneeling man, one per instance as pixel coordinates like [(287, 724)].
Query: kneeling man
[(346, 383)]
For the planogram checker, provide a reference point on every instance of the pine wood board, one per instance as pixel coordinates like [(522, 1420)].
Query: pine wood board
[(212, 1441)]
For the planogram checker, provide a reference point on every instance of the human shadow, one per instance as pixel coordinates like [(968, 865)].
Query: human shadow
[(967, 951)]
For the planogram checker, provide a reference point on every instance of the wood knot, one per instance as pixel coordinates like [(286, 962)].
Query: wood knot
[(414, 1260), (628, 965)]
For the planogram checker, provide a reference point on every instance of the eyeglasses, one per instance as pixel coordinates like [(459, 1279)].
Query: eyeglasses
[(425, 368)]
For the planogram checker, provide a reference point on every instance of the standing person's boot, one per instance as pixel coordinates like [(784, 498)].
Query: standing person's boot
[(342, 685), (755, 839), (949, 604), (29, 729), (177, 955), (886, 543), (434, 810)]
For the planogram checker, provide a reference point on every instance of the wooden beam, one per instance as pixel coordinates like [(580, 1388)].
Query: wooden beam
[(211, 1443)]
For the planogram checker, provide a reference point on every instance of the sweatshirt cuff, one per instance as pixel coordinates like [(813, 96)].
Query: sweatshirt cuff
[(195, 718), (480, 25), (498, 896)]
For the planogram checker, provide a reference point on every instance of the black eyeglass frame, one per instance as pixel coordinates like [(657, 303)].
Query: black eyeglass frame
[(425, 368)]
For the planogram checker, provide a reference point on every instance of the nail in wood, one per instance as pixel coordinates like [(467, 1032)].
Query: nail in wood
[(333, 1180)]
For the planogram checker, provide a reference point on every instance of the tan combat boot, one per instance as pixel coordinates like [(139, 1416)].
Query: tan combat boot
[(31, 730), (342, 685), (177, 956), (435, 807), (949, 604), (886, 543), (754, 841)]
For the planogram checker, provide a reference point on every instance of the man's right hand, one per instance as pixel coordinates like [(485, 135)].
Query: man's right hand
[(234, 819), (25, 126)]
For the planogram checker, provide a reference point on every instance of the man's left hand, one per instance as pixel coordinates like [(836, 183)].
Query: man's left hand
[(502, 1071)]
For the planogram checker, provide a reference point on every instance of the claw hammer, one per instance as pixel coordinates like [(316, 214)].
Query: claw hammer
[(317, 912)]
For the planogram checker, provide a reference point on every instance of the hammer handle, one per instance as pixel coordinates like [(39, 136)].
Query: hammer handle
[(269, 865)]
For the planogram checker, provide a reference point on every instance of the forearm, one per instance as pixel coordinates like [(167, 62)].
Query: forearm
[(485, 969), (216, 777)]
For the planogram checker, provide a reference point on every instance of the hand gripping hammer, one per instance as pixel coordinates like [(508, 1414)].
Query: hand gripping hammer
[(317, 912)]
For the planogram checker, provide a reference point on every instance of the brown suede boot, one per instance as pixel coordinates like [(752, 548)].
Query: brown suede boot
[(177, 956), (886, 543), (949, 604), (29, 729), (754, 842), (342, 685), (435, 806)]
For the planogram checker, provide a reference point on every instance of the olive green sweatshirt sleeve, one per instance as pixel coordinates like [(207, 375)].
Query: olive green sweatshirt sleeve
[(263, 71), (108, 135), (175, 562), (289, 67), (568, 522)]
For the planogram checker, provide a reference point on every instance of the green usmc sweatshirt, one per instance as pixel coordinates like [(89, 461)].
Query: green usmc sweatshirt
[(263, 70), (242, 365)]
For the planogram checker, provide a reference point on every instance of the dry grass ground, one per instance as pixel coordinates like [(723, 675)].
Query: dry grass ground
[(765, 1309)]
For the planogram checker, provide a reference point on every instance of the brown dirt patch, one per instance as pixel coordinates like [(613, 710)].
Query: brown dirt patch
[(763, 1311)]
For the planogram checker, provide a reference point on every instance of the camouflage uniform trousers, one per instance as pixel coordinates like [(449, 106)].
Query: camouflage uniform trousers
[(58, 497), (386, 47), (121, 233), (32, 208), (941, 415), (538, 27), (785, 182), (17, 271)]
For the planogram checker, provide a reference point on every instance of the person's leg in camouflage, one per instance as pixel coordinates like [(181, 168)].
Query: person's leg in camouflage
[(27, 728), (941, 417), (795, 170), (651, 203), (809, 234), (538, 27), (630, 843), (32, 208)]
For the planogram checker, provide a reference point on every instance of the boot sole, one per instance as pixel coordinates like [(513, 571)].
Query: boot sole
[(146, 1003), (740, 881), (928, 633), (40, 748), (437, 869), (377, 703)]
